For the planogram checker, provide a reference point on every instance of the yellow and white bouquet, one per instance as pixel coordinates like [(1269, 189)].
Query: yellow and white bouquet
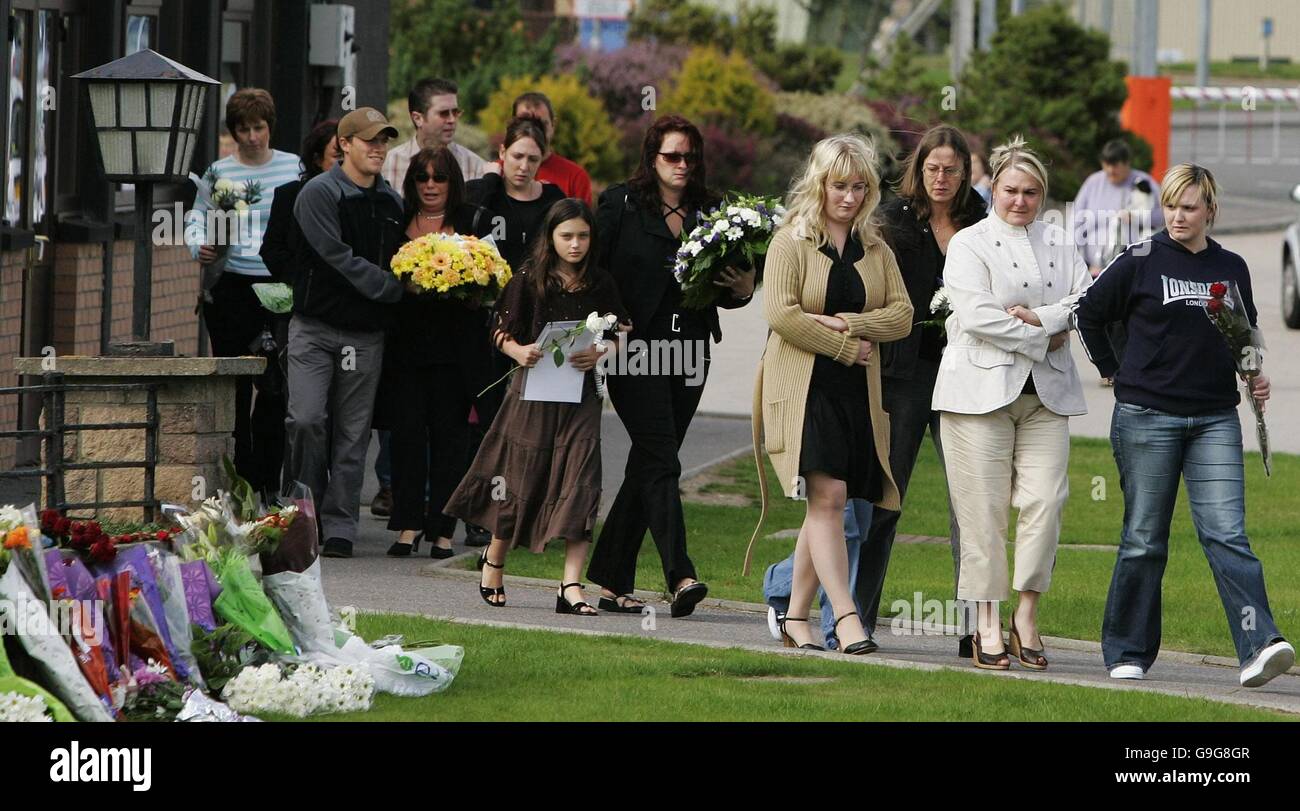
[(460, 267)]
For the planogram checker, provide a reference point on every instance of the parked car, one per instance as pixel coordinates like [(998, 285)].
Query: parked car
[(1290, 261)]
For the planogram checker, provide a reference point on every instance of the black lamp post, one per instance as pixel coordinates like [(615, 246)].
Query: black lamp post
[(145, 111)]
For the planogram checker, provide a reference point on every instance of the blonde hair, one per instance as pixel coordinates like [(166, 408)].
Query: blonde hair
[(1015, 155), (1187, 175), (839, 157)]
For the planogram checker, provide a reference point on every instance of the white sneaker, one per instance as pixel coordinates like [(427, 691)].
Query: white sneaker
[(1272, 661), (773, 623), (1133, 672)]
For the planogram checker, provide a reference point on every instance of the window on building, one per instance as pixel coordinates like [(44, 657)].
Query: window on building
[(18, 118)]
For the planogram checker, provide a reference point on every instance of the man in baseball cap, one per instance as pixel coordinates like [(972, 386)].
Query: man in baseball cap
[(352, 223)]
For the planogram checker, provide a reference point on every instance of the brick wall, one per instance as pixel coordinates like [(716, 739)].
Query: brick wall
[(78, 286)]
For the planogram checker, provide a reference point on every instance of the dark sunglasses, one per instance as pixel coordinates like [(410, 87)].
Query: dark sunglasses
[(674, 158), (424, 177)]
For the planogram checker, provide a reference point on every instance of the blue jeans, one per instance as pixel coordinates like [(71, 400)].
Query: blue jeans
[(779, 577), (1153, 449)]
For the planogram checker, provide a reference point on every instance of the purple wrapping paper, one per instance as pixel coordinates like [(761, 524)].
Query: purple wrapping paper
[(200, 590), (135, 558), (71, 576)]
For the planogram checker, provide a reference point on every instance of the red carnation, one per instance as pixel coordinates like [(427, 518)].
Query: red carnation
[(1218, 290), (1214, 306), (64, 525), (103, 551), (164, 535)]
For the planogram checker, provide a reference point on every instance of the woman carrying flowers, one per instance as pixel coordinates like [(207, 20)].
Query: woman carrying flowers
[(438, 356), (537, 474), (1176, 418)]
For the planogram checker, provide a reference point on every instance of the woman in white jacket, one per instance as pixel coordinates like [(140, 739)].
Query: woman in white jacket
[(1006, 389)]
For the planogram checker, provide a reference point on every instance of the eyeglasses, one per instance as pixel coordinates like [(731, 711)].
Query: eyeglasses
[(949, 171), (858, 189), (425, 177), (454, 112), (674, 158)]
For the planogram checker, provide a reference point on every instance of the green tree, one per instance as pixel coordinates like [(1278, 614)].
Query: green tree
[(722, 90), (1052, 80), (452, 39)]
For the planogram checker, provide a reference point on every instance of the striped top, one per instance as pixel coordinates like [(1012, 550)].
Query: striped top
[(242, 232)]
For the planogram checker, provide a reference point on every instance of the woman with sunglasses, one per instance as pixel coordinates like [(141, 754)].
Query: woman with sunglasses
[(438, 359), (640, 223)]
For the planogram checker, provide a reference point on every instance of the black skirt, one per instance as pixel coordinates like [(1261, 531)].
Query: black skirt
[(838, 440)]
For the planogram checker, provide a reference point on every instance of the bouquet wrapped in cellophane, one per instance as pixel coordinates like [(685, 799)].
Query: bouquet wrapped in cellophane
[(1227, 311)]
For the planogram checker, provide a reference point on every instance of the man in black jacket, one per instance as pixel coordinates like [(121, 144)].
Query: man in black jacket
[(351, 222)]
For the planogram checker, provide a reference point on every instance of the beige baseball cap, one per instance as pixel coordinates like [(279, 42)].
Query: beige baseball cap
[(365, 123)]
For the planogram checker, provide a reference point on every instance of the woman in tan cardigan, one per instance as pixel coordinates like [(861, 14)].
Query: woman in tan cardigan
[(833, 288)]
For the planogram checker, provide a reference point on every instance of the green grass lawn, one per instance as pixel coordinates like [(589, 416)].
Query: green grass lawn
[(1235, 70), (517, 675), (1074, 606)]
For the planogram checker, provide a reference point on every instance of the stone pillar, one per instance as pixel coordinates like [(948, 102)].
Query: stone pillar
[(196, 415)]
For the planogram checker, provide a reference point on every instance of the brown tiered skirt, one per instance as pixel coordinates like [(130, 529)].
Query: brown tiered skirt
[(537, 474)]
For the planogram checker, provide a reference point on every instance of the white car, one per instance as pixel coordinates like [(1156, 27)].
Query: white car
[(1290, 261)]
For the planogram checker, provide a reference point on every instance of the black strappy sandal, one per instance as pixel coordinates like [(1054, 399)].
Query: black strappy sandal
[(867, 645), (563, 606), (789, 640), (488, 593), (613, 605)]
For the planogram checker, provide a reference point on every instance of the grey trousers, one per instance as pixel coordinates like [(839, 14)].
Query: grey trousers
[(333, 376)]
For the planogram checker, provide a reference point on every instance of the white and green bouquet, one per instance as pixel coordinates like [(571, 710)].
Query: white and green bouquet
[(736, 233)]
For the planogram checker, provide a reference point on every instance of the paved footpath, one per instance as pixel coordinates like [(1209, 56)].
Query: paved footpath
[(372, 582)]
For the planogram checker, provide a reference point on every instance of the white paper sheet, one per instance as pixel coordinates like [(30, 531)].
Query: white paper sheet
[(549, 383)]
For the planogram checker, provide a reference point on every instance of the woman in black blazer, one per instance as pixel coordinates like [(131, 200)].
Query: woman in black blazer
[(437, 358), (640, 224)]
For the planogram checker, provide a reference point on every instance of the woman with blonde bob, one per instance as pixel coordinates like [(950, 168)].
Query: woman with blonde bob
[(833, 289), (1006, 389)]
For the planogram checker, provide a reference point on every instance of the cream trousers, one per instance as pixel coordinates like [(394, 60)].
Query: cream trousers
[(1017, 456)]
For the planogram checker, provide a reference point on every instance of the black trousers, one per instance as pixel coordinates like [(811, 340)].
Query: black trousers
[(656, 410), (430, 443), (908, 404), (234, 319)]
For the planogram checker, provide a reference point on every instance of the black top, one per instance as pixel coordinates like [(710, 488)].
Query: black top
[(522, 217), (1175, 360), (845, 293), (283, 238), (921, 264), (431, 329), (521, 316), (637, 247)]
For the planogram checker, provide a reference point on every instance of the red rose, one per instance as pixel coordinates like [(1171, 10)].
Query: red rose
[(103, 551), (164, 535), (1218, 290), (1214, 306), (64, 525)]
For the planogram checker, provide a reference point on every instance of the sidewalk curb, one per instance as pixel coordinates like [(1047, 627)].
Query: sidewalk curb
[(878, 660), (760, 609)]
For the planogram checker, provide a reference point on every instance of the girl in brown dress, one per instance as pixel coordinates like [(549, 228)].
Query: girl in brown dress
[(537, 475)]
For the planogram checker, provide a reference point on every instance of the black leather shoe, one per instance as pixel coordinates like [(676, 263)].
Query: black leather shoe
[(383, 502), (336, 548), (477, 536), (438, 553)]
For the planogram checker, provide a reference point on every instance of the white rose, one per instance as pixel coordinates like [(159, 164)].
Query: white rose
[(241, 205), (734, 234), (223, 184), (595, 323), (694, 248)]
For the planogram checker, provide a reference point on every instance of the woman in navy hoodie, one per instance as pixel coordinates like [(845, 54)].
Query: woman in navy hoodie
[(1176, 417)]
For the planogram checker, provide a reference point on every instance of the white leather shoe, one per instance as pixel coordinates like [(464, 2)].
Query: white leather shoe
[(774, 623), (1128, 672), (1269, 663)]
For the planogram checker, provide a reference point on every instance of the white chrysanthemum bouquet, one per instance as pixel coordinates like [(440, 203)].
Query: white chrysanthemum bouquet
[(736, 233)]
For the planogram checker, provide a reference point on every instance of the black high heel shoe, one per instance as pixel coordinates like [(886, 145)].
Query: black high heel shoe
[(789, 640), (402, 550), (488, 593), (867, 645), (437, 552), (563, 606)]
